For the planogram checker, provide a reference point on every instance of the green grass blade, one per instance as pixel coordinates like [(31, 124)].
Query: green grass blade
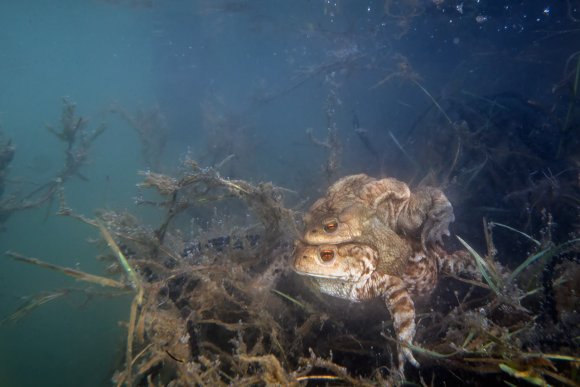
[(550, 252), (293, 300), (537, 242), (523, 375), (482, 266), (427, 352), (531, 259), (552, 356)]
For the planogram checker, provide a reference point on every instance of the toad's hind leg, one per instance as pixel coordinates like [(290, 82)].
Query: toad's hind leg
[(421, 274), (401, 307), (429, 211)]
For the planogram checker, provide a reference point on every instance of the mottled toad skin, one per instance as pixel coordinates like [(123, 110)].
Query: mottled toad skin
[(359, 208), (353, 272), (350, 271)]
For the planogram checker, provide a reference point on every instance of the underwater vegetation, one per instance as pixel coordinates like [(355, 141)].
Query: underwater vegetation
[(152, 131), (233, 313), (77, 140), (214, 296), (224, 307)]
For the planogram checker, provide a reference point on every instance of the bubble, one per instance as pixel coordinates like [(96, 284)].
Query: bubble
[(546, 11), (480, 19)]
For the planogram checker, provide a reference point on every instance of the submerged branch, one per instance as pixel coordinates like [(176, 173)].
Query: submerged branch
[(79, 275), (32, 304)]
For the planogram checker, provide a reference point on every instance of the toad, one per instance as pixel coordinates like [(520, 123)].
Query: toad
[(359, 208), (354, 272)]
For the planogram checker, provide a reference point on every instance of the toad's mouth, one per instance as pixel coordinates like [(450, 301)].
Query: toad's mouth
[(321, 275)]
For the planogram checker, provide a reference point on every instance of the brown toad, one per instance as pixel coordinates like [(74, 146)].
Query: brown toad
[(353, 272), (359, 208)]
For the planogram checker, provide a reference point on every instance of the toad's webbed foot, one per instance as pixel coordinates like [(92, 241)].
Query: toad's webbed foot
[(460, 263)]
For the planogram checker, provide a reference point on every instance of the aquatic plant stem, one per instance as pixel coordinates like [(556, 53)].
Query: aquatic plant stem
[(434, 101), (405, 153), (32, 304), (570, 106), (135, 283), (103, 281), (135, 304)]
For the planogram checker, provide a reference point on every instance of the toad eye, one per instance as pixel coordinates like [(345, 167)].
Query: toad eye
[(331, 226), (326, 255)]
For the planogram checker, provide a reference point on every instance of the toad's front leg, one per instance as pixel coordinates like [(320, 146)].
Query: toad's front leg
[(460, 263), (401, 307)]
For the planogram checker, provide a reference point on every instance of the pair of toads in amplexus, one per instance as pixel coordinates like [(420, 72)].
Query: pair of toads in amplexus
[(369, 238)]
